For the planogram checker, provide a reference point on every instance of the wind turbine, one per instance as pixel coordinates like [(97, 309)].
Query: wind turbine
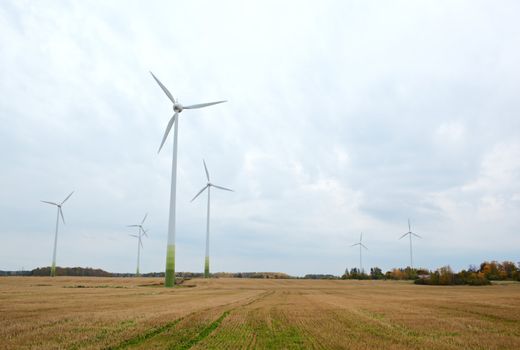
[(170, 250), (410, 233), (141, 233), (360, 244), (59, 213), (208, 187)]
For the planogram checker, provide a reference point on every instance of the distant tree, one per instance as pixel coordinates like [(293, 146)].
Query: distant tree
[(490, 270), (346, 275), (508, 269), (446, 276), (397, 274), (376, 273), (320, 277), (357, 274), (71, 271)]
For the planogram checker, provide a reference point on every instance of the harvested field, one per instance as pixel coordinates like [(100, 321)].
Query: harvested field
[(138, 313)]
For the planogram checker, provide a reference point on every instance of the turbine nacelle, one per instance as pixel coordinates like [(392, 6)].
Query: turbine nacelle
[(177, 108)]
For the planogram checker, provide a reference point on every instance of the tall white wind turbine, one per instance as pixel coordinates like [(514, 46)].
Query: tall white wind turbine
[(410, 234), (177, 108), (208, 187), (58, 214), (142, 232), (361, 245)]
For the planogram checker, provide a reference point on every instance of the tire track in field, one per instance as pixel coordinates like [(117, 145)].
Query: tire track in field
[(143, 337), (215, 324), (203, 334)]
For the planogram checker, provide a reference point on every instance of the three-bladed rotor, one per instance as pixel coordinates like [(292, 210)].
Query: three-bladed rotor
[(142, 231), (177, 108), (410, 232), (60, 205), (209, 184), (360, 243)]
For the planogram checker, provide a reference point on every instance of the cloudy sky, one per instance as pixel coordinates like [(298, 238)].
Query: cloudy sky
[(342, 117)]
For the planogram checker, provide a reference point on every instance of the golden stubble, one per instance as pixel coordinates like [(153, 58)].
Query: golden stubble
[(99, 313)]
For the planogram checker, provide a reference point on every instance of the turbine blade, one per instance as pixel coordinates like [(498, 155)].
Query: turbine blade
[(61, 213), (206, 169), (136, 236), (364, 246), (201, 105), (409, 227), (132, 225), (168, 128), (222, 188), (142, 222), (50, 203), (141, 243), (416, 235), (145, 233), (67, 198), (200, 192), (353, 245), (361, 237), (163, 88), (403, 235)]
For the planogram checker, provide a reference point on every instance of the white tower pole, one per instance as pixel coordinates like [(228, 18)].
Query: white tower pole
[(206, 260), (138, 254), (53, 266), (360, 260), (411, 256), (170, 252)]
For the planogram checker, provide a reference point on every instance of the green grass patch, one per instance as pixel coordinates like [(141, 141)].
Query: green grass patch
[(205, 332), (144, 336)]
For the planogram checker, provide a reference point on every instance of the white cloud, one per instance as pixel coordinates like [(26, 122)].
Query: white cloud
[(451, 133)]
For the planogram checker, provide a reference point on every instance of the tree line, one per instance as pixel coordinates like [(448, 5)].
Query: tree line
[(90, 272), (475, 275), (487, 271)]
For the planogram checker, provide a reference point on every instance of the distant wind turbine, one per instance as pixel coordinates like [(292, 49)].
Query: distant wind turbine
[(410, 233), (208, 186), (59, 213), (142, 232), (360, 244), (177, 108)]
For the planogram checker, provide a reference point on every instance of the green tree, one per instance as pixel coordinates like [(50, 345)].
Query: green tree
[(376, 273)]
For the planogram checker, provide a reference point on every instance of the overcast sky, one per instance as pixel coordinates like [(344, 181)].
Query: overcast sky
[(342, 117)]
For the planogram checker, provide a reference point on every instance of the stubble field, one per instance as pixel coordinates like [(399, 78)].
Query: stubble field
[(138, 313)]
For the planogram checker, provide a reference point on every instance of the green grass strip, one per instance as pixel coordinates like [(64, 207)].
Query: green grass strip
[(205, 332), (145, 336)]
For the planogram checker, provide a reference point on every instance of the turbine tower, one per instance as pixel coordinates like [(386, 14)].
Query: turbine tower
[(360, 244), (208, 186), (59, 213), (142, 232), (170, 250), (410, 233)]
